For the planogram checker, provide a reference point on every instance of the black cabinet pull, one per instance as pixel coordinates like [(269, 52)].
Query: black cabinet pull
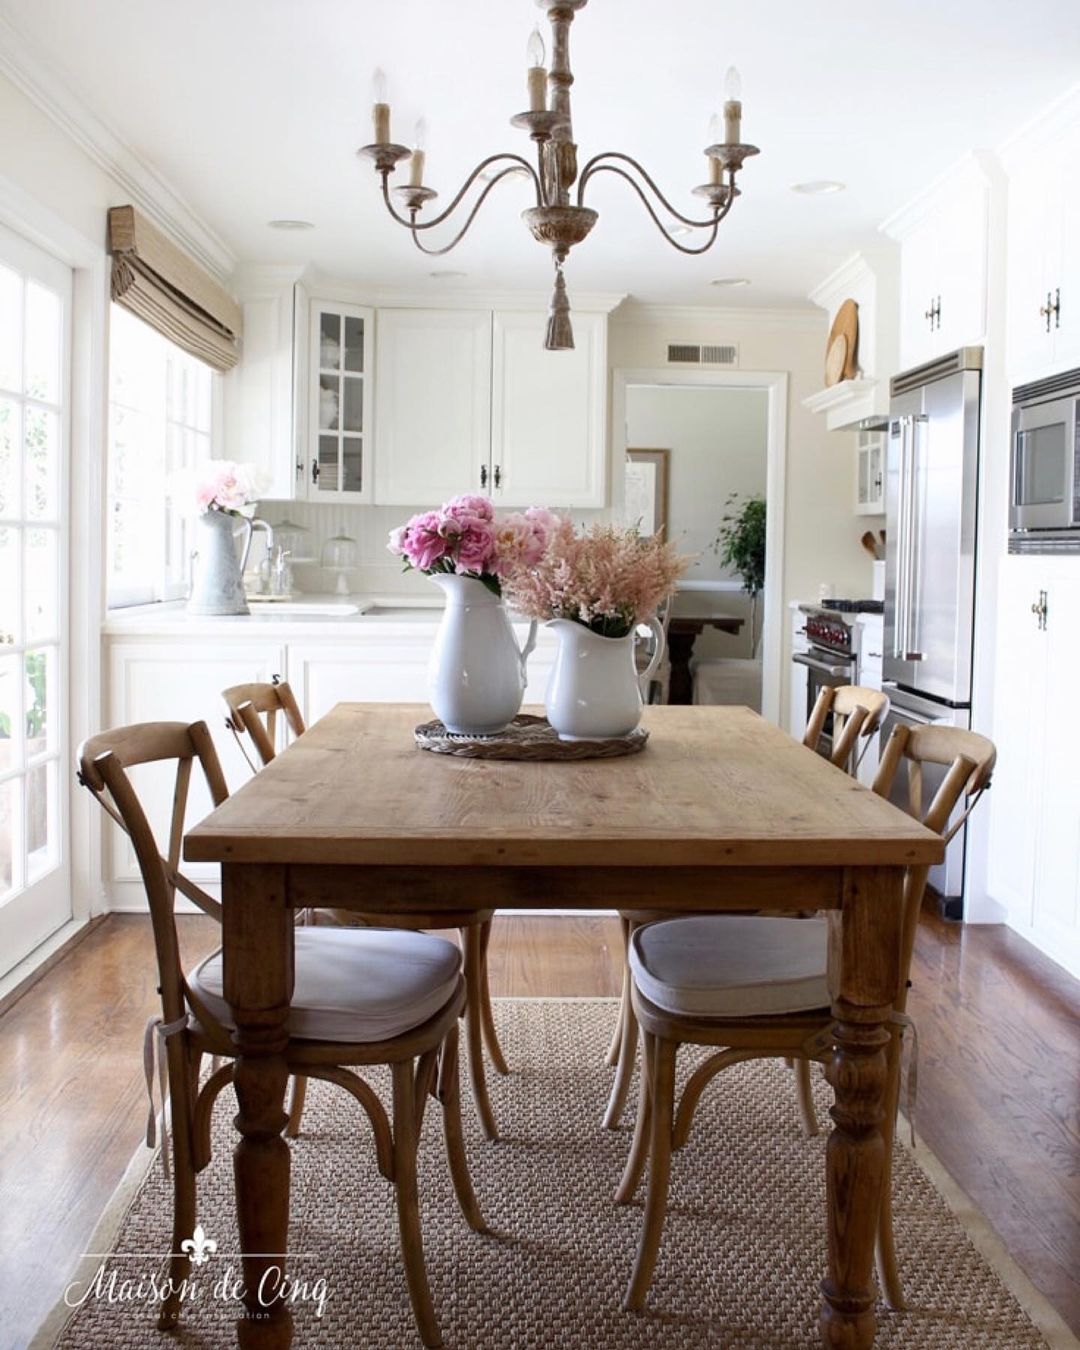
[(483, 475), (498, 476)]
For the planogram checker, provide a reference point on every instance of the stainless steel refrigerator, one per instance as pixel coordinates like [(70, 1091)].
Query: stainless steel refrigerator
[(931, 491)]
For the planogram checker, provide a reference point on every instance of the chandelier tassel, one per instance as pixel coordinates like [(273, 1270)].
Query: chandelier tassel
[(560, 332)]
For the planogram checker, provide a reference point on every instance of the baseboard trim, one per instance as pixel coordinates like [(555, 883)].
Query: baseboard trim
[(43, 958)]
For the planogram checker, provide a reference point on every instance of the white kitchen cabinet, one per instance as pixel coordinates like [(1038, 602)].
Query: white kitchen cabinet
[(1044, 261), (261, 394), (178, 680), (1034, 848), (869, 473), (469, 401), (432, 405), (943, 267), (378, 668), (338, 399), (548, 443)]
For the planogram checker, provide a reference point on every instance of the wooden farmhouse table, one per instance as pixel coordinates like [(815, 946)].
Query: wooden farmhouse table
[(722, 811)]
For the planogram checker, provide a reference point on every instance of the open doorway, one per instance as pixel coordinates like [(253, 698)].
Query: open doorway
[(694, 449)]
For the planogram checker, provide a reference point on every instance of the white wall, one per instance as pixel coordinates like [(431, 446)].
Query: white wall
[(821, 536)]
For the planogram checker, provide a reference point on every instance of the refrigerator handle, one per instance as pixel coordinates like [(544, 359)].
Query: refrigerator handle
[(904, 503), (914, 552)]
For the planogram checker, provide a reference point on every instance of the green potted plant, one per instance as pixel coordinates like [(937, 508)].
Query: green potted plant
[(740, 545)]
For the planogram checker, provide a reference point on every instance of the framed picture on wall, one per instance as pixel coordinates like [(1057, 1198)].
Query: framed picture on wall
[(647, 489)]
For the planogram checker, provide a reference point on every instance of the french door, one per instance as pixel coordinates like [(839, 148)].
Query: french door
[(35, 338)]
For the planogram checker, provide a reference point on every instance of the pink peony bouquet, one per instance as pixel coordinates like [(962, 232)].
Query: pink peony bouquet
[(223, 485), (607, 577), (463, 536)]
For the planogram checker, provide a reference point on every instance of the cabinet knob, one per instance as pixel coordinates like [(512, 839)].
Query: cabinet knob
[(483, 475), (1040, 609), (498, 476), (315, 471)]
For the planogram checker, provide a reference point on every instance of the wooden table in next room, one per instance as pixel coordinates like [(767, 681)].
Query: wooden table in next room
[(722, 811), (683, 632)]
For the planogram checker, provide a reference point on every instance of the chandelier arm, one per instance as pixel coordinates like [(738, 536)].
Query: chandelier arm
[(596, 164), (413, 228), (713, 225), (438, 220)]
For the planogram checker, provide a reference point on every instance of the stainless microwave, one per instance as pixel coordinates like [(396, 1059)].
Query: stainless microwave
[(1045, 460)]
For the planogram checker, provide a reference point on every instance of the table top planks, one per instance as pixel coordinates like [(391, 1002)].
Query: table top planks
[(716, 786)]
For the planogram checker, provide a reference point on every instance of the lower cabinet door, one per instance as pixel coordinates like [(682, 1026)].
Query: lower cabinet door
[(158, 680), (382, 667)]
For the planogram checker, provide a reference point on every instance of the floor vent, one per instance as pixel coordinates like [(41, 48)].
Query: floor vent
[(694, 354)]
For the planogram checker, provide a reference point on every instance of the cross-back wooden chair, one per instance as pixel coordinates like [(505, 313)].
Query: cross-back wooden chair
[(756, 988), (253, 709), (350, 988), (857, 712)]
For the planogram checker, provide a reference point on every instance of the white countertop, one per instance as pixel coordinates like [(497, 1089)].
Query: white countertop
[(371, 613)]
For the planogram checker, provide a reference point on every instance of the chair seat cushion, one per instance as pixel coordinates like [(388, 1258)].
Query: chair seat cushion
[(354, 984), (719, 965)]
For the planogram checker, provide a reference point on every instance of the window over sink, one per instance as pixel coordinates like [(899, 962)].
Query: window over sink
[(162, 413)]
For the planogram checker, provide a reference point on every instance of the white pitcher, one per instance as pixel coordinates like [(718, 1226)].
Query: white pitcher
[(477, 674), (595, 688)]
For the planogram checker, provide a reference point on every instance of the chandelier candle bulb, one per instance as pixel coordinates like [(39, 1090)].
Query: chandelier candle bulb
[(380, 112), (416, 159), (536, 74), (732, 106), (716, 169)]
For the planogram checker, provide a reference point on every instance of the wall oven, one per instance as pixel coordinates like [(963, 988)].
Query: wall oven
[(1045, 463)]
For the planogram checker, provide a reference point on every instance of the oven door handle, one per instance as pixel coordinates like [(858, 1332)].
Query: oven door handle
[(812, 663)]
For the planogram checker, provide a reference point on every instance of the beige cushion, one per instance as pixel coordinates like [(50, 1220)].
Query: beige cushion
[(354, 984), (720, 965)]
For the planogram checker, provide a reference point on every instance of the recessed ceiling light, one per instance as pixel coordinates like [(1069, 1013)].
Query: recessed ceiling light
[(290, 224), (730, 281), (446, 275), (818, 187)]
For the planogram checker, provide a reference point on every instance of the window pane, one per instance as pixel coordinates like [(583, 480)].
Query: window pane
[(10, 570), (40, 700), (10, 330), (328, 402), (10, 745), (42, 442), (42, 581), (9, 458), (43, 335), (330, 341), (354, 344), (42, 820), (10, 833), (352, 463), (353, 412), (328, 464)]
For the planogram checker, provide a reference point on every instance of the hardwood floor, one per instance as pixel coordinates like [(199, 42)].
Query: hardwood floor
[(998, 1090)]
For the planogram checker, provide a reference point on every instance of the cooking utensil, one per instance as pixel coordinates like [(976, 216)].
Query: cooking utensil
[(870, 544)]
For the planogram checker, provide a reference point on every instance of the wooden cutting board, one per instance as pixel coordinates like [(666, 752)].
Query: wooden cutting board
[(846, 324)]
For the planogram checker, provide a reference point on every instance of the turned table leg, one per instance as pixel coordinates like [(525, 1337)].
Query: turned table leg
[(680, 650), (864, 957), (258, 970)]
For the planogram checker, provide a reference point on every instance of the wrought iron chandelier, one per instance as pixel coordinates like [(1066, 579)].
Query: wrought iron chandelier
[(556, 220)]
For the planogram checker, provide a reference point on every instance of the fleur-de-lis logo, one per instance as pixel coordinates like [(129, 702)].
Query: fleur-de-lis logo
[(199, 1247)]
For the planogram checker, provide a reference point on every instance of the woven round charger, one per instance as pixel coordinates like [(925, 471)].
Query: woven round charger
[(526, 737)]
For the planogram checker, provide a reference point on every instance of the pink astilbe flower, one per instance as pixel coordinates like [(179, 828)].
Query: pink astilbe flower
[(607, 578), (218, 485)]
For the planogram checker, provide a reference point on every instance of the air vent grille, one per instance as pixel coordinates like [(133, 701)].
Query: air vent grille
[(697, 354)]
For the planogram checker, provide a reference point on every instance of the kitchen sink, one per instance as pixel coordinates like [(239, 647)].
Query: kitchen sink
[(325, 608)]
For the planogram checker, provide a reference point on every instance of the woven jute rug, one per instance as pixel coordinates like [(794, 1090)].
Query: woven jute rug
[(742, 1255)]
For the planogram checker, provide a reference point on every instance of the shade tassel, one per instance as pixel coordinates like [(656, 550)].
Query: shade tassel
[(560, 332)]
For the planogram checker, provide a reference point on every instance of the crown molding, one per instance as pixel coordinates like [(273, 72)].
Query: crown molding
[(323, 286), (1040, 132), (730, 316), (977, 166), (144, 186), (851, 274)]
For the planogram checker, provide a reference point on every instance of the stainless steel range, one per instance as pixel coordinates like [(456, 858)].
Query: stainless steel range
[(831, 657)]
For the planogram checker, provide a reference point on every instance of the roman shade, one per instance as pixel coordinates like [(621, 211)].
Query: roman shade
[(172, 293)]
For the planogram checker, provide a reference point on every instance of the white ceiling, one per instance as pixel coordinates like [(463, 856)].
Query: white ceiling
[(253, 109)]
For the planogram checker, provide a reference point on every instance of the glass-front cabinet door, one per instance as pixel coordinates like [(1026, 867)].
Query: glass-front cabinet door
[(339, 460)]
